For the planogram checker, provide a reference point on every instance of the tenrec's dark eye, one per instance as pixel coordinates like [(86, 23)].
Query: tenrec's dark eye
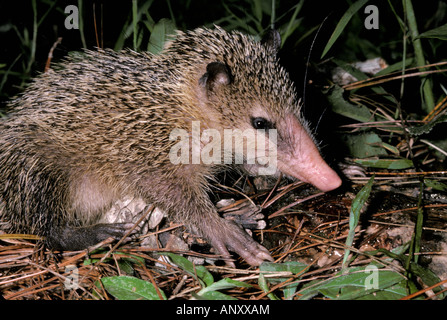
[(261, 123)]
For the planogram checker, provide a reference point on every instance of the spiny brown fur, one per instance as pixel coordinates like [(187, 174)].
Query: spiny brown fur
[(96, 128)]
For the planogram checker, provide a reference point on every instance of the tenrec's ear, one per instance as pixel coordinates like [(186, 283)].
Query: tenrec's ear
[(217, 74), (272, 41)]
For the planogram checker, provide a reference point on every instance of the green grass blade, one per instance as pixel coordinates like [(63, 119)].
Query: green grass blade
[(354, 215), (342, 24), (211, 292), (391, 164), (436, 33), (263, 284)]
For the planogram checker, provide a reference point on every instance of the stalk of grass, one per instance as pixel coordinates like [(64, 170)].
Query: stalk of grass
[(273, 15), (354, 216), (429, 102), (171, 13), (81, 23), (33, 41), (415, 245), (419, 222), (134, 22)]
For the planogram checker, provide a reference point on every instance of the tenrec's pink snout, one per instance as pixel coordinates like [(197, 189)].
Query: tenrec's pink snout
[(304, 162)]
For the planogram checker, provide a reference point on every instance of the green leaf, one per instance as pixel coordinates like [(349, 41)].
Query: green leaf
[(225, 283), (438, 33), (388, 147), (355, 285), (161, 32), (263, 284), (345, 108), (126, 266), (293, 267), (257, 9), (222, 284), (342, 24), (213, 295), (435, 185), (130, 288), (354, 215), (398, 66), (392, 164), (364, 145), (200, 273), (394, 292), (428, 277), (426, 128), (367, 282)]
